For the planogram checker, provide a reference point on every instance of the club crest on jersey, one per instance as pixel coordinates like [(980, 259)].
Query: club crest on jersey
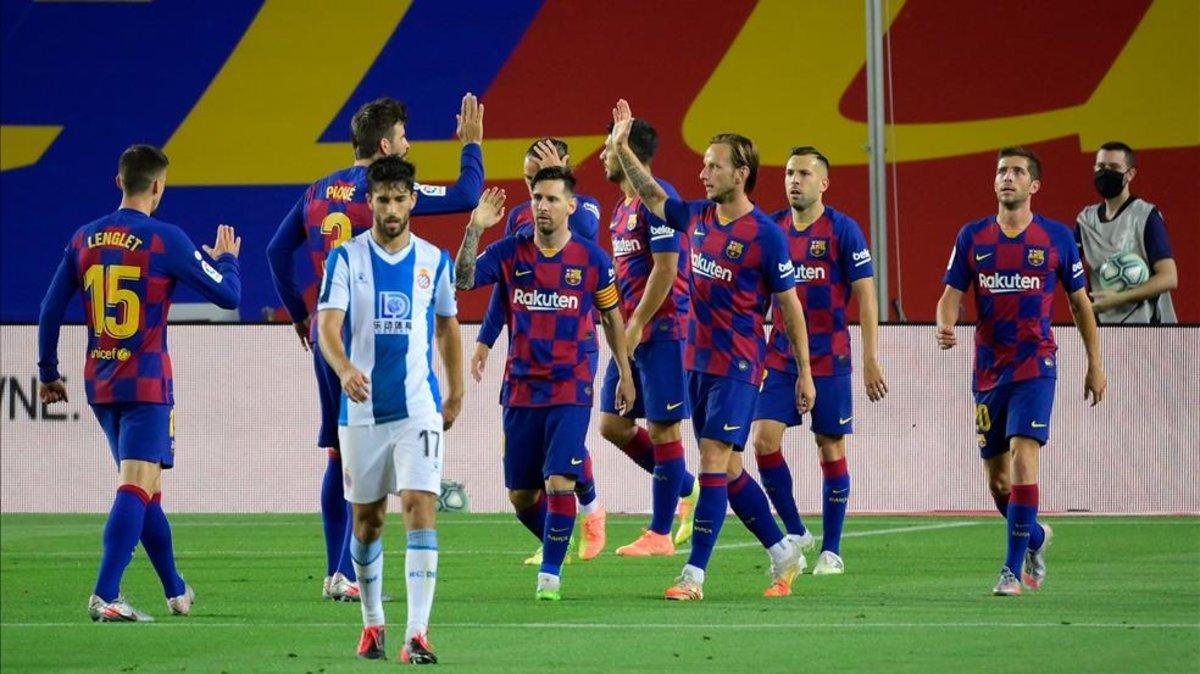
[(423, 279), (1036, 257), (393, 304), (573, 276), (632, 222), (818, 247), (734, 250)]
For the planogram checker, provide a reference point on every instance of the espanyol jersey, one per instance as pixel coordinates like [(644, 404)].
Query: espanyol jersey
[(334, 208), (736, 267), (1014, 280), (829, 255), (634, 243), (584, 223), (390, 300), (127, 264), (550, 297)]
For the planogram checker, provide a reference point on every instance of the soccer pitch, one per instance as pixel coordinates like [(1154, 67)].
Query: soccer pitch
[(1122, 594)]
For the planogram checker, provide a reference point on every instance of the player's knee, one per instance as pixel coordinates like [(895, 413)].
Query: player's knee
[(831, 447), (522, 499), (420, 509), (662, 433), (617, 430), (144, 475), (560, 483), (999, 485), (764, 445)]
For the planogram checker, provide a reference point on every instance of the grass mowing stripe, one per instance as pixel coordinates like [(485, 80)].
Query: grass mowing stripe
[(671, 626)]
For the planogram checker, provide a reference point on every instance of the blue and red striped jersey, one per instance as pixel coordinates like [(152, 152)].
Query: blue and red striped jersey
[(127, 264), (550, 297), (583, 223), (1014, 280), (334, 209), (736, 267), (634, 243), (830, 254)]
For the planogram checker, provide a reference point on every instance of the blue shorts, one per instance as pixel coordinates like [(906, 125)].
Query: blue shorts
[(543, 441), (1021, 408), (139, 431), (722, 408), (658, 377), (329, 389), (833, 415)]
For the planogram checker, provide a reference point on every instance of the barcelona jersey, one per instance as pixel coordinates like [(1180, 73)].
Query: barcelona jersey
[(127, 265), (550, 297), (1014, 279), (829, 255)]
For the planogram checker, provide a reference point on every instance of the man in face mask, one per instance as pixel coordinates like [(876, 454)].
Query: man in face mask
[(1122, 223)]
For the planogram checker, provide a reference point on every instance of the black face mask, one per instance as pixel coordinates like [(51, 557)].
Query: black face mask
[(1109, 183)]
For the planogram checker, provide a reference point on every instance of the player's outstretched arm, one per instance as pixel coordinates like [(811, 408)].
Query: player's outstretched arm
[(449, 342), (614, 333), (489, 211), (797, 332), (1095, 381), (329, 335), (947, 316), (470, 120), (221, 285), (649, 191), (868, 318)]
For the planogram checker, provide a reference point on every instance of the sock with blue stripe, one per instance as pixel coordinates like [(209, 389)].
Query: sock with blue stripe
[(121, 533), (710, 515), (560, 522), (777, 482), (835, 492), (750, 504), (420, 570), (156, 541), (368, 562), (669, 470)]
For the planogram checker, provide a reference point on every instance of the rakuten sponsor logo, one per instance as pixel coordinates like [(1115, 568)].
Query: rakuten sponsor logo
[(805, 273), (540, 300), (708, 268), (623, 247), (1011, 282)]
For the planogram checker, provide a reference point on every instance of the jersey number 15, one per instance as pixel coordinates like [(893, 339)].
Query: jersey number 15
[(103, 283)]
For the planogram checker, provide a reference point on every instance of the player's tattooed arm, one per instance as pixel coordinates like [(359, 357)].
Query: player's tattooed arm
[(651, 193), (1095, 381), (489, 211)]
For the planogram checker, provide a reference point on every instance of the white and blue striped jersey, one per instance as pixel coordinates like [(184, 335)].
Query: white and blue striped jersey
[(390, 301)]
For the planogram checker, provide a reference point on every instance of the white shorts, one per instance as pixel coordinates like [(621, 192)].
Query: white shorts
[(382, 459)]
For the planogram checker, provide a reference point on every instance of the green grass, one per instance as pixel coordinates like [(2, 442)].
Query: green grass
[(1123, 594)]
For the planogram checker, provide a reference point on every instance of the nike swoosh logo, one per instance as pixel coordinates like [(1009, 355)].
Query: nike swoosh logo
[(1037, 425), (845, 421), (731, 428), (523, 273), (671, 406), (982, 257), (840, 491), (576, 462)]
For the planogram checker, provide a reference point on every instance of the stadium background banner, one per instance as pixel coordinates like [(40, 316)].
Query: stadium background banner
[(252, 101), (246, 432)]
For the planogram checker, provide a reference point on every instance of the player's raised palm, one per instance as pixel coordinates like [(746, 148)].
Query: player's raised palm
[(622, 123), (490, 209), (227, 242), (546, 156), (470, 120)]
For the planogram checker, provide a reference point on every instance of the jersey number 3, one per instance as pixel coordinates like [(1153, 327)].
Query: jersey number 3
[(103, 282)]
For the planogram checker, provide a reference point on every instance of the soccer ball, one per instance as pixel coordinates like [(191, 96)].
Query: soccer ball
[(1123, 271), (453, 498)]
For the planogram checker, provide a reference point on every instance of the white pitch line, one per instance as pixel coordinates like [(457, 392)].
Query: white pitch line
[(451, 551), (193, 624)]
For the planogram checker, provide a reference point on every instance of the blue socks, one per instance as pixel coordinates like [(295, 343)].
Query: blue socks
[(560, 522), (750, 505), (156, 540), (1022, 525), (335, 516), (121, 533), (669, 470), (777, 481), (710, 515), (585, 486), (835, 493)]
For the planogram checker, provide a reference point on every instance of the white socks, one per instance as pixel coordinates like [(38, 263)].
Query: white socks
[(420, 572), (368, 565)]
